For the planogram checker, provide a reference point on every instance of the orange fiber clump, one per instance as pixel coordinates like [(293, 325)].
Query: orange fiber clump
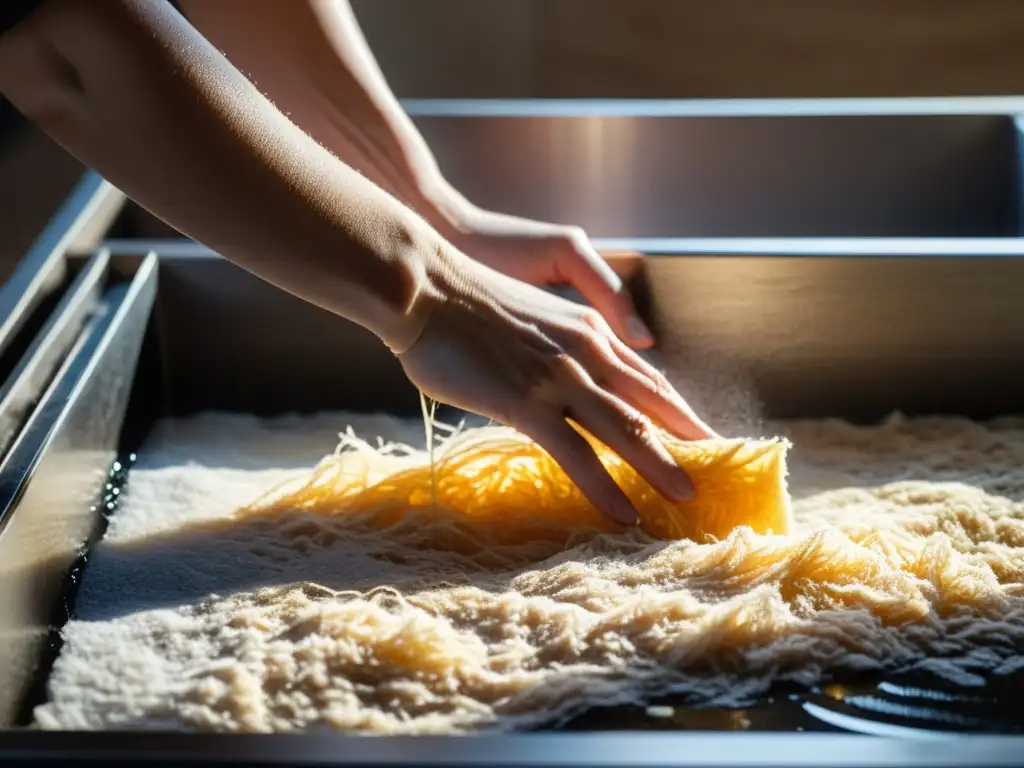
[(496, 484)]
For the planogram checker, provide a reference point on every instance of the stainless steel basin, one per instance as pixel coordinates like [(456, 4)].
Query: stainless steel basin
[(904, 316), (738, 169)]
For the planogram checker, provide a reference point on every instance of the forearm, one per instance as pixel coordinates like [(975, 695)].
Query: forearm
[(311, 59), (138, 95)]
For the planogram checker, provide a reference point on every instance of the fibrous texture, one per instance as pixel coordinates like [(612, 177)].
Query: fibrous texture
[(336, 602), (492, 487)]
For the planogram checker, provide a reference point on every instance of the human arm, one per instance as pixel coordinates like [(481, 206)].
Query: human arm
[(312, 60), (140, 96)]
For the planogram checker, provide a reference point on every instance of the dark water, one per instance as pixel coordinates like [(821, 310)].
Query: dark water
[(909, 706)]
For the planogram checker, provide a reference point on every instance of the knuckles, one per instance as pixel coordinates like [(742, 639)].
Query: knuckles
[(662, 386), (590, 343), (636, 427), (576, 237), (593, 320)]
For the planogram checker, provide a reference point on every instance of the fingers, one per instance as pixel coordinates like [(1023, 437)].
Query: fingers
[(622, 371), (664, 406), (582, 267), (624, 430), (577, 459), (628, 374), (647, 389)]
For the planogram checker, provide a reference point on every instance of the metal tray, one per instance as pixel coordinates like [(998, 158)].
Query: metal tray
[(846, 328), (846, 168), (60, 461), (893, 168), (46, 299), (55, 471), (852, 328)]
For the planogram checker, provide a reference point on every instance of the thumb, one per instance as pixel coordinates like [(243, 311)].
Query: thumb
[(582, 267)]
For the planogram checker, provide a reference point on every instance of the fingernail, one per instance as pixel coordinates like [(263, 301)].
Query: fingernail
[(690, 426), (682, 488), (709, 433), (639, 331), (626, 515)]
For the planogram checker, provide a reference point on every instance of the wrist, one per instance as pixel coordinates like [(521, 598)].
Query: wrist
[(440, 203), (429, 266), (445, 207)]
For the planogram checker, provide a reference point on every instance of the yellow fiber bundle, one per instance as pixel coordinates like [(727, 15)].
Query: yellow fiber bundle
[(498, 483)]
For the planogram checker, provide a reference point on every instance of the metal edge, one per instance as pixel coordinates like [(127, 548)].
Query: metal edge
[(1018, 134), (18, 467), (849, 246), (605, 750), (37, 367), (174, 247), (88, 211), (885, 107), (52, 480), (924, 247)]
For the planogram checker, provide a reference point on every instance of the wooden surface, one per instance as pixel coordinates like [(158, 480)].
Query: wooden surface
[(697, 48)]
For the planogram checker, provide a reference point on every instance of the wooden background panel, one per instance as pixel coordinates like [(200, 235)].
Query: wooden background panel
[(697, 48), (784, 48), (455, 48)]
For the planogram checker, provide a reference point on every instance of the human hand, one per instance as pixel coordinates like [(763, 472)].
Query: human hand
[(540, 254), (526, 358)]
